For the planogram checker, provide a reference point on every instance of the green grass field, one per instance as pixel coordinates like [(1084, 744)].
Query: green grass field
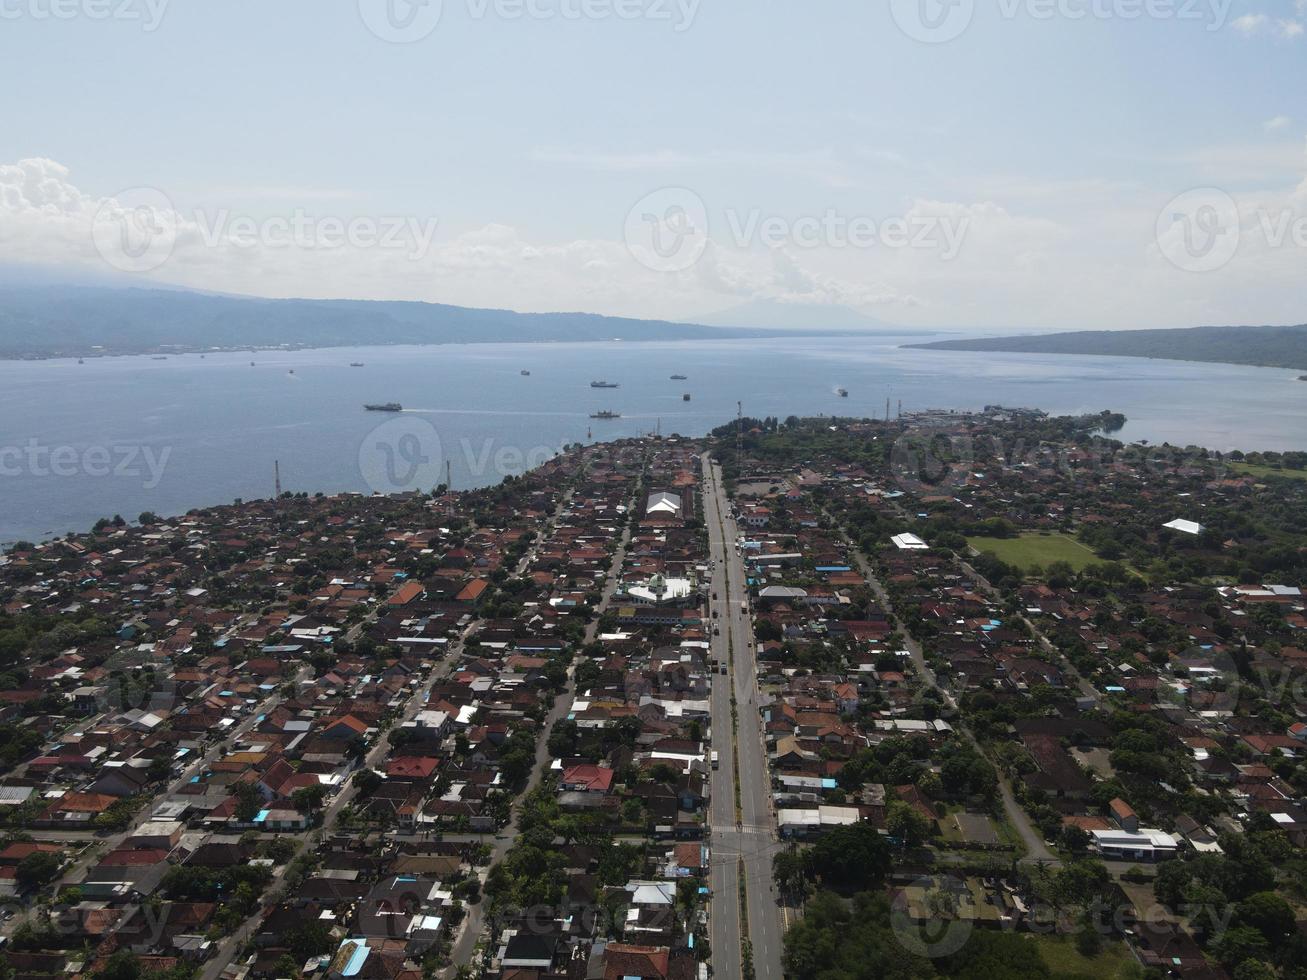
[(1261, 472), (1060, 955), (1032, 549)]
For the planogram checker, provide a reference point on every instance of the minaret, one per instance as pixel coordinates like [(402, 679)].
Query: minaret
[(276, 474)]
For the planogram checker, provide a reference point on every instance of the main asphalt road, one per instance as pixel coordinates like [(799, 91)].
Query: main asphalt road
[(748, 837)]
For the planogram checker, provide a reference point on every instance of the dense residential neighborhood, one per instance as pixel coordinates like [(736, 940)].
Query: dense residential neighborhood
[(938, 695)]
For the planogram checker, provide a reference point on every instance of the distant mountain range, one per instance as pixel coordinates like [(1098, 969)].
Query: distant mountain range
[(775, 315), (1281, 347), (51, 320)]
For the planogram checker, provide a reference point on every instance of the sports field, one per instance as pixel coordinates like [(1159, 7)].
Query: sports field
[(1262, 472), (1028, 550)]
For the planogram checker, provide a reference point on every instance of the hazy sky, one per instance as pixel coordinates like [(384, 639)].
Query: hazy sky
[(1023, 163)]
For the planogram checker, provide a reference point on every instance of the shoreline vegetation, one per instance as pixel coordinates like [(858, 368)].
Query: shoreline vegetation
[(1271, 347)]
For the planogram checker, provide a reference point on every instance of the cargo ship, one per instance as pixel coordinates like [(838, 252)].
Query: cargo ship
[(386, 407), (604, 384), (606, 415)]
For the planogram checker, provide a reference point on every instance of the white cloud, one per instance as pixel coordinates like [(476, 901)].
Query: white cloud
[(1076, 254), (1276, 123), (1286, 28)]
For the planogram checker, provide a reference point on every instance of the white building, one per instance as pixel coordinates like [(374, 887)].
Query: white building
[(1139, 845), (909, 542)]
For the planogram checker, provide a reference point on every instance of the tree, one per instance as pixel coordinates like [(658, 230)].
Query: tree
[(906, 823), (366, 781), (1238, 944), (1255, 970), (849, 856), (1269, 914), (790, 870), (37, 870), (248, 802), (308, 799)]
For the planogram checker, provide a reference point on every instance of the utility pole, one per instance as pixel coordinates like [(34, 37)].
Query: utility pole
[(276, 475)]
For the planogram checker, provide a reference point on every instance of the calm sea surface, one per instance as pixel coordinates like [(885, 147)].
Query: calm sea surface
[(126, 435)]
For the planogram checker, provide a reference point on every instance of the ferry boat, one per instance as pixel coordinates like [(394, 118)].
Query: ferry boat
[(679, 377), (606, 415), (525, 373), (385, 407), (355, 363), (842, 392), (604, 384)]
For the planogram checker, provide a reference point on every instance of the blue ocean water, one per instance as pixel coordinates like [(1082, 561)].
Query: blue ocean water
[(125, 435)]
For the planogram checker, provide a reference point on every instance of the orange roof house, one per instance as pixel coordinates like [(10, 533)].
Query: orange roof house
[(405, 594), (473, 591)]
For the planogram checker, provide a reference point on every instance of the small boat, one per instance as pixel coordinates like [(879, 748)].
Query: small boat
[(525, 373), (685, 397), (604, 384), (679, 377), (355, 363), (291, 371), (606, 415), (159, 358), (842, 392), (251, 364), (80, 361), (385, 407)]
